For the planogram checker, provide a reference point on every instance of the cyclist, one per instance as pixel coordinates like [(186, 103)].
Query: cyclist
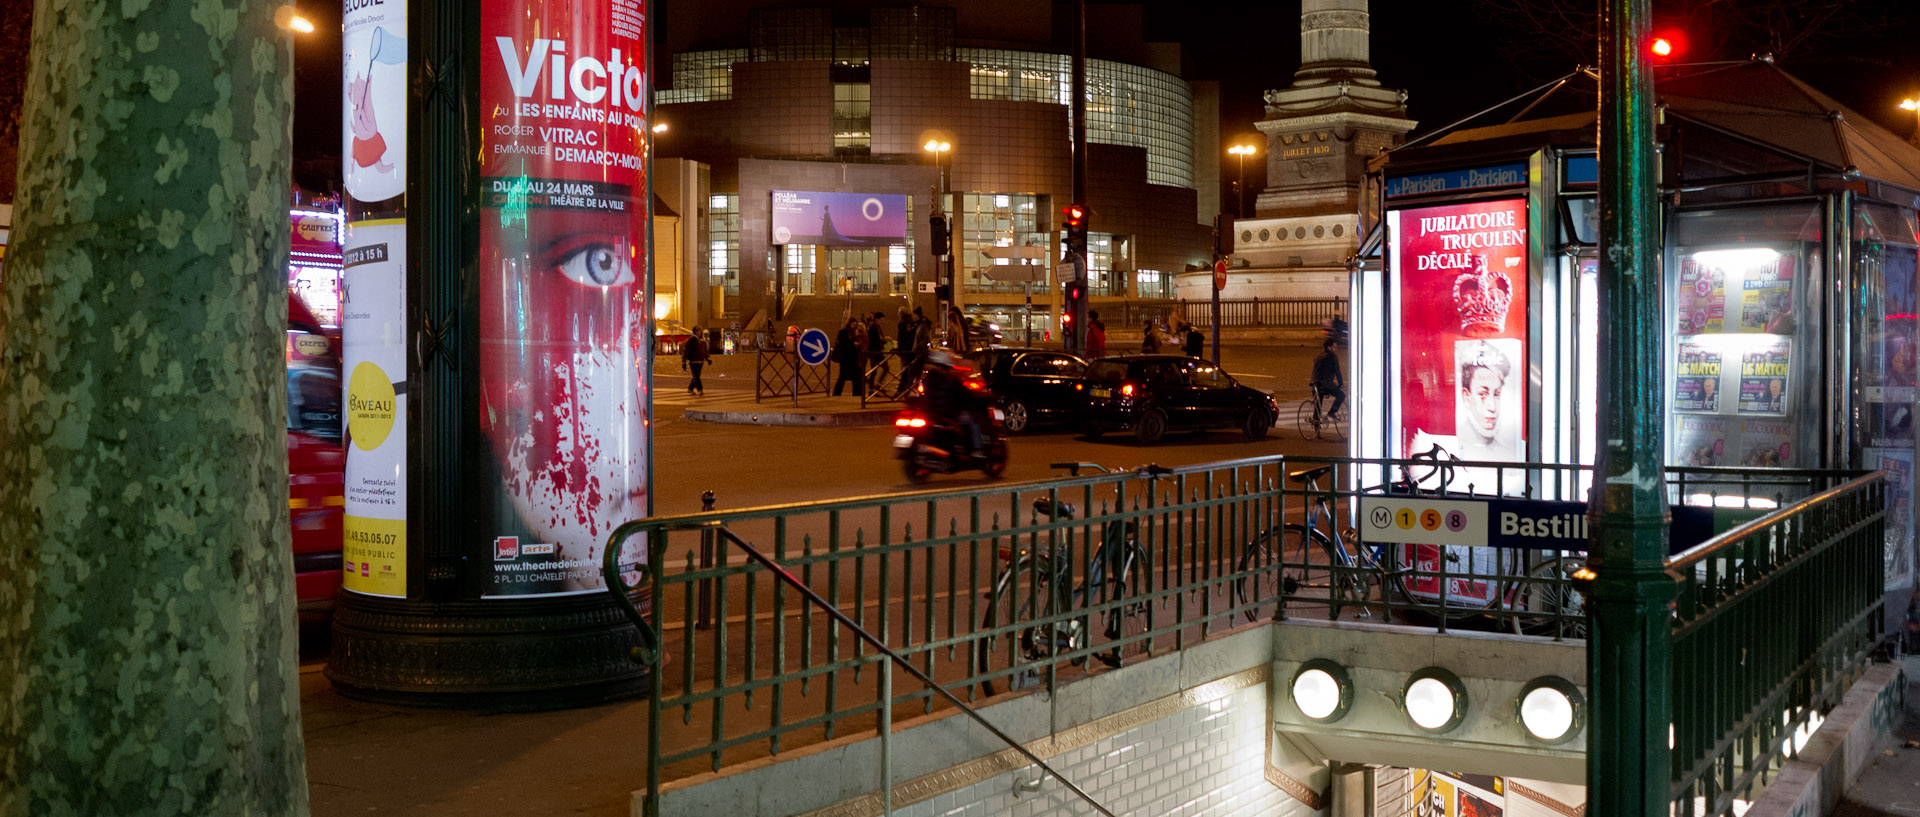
[(1326, 377)]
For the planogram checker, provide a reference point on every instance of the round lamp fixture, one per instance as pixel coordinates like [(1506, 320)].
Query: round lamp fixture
[(1434, 699), (1322, 690), (1551, 709)]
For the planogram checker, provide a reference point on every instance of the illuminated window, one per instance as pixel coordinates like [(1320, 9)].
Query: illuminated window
[(723, 241)]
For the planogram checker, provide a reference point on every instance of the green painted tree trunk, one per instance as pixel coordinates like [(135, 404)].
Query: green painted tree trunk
[(147, 622)]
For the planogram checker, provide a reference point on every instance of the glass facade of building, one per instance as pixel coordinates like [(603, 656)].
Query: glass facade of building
[(996, 220), (723, 240), (1126, 104)]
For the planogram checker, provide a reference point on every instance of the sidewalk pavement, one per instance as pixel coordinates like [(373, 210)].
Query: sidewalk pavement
[(1890, 786)]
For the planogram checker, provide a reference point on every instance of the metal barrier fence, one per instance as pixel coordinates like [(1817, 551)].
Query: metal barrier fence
[(1247, 313), (781, 373), (1022, 586), (1774, 620)]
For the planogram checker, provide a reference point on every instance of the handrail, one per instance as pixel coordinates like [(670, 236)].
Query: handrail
[(1701, 552), (808, 592)]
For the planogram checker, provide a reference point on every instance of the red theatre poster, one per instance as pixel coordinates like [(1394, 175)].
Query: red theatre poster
[(563, 295), (1461, 276)]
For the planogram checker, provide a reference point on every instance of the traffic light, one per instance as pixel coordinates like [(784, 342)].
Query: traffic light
[(1667, 45), (941, 239), (1222, 235), (1076, 217)]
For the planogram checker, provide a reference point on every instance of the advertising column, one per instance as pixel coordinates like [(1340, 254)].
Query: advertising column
[(562, 306), (373, 296)]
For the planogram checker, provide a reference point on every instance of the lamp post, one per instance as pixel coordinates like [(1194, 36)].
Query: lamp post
[(1912, 104), (940, 148), (1240, 152)]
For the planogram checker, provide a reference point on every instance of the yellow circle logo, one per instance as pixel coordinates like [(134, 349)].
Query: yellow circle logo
[(370, 406)]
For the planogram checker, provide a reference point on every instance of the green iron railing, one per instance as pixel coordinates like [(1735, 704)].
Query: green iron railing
[(986, 594), (1774, 620)]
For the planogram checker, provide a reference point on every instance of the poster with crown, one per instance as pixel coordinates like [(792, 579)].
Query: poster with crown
[(1460, 276)]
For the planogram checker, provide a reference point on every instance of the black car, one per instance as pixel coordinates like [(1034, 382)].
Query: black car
[(1154, 394), (1031, 385)]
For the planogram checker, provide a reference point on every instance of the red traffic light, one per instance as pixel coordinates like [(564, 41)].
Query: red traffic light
[(1076, 214), (1667, 45)]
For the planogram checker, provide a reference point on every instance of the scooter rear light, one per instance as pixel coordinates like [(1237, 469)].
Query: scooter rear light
[(910, 422), (1006, 553)]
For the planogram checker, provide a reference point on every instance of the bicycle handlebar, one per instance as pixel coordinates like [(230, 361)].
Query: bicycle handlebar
[(1073, 468)]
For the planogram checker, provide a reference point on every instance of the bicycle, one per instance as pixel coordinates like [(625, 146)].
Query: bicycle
[(1036, 584), (1541, 597), (1316, 424)]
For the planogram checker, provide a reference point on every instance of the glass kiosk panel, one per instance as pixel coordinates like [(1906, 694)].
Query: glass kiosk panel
[(1887, 298), (1743, 379)]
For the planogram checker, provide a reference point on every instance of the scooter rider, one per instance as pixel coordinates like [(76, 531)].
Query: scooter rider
[(948, 395)]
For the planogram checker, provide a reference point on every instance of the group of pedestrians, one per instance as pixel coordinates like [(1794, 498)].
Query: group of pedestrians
[(862, 349), (1192, 342)]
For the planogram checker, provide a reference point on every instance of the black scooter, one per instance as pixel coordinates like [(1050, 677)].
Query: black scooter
[(928, 444)]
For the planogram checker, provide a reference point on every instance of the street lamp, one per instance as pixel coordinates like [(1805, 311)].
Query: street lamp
[(1911, 104), (1240, 152)]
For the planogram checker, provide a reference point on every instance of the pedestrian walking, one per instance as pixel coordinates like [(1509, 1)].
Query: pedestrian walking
[(916, 359), (693, 358), (849, 347), (876, 353), (1196, 343), (1149, 338), (1096, 335)]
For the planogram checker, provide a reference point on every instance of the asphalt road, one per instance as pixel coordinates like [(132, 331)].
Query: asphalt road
[(747, 466)]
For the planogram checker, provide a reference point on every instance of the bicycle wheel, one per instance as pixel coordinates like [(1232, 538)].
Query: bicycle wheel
[(1308, 423), (1334, 425), (1033, 596), (1274, 564), (1548, 603), (1126, 625)]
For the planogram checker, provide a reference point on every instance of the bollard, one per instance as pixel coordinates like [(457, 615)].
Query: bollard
[(704, 617)]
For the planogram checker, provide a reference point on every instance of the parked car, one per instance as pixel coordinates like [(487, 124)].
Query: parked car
[(1154, 394), (316, 464), (1031, 385)]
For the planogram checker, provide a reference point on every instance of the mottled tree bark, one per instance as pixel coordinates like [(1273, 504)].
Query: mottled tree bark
[(147, 623)]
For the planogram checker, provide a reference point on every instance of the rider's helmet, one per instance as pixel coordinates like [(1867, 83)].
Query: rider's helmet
[(939, 357)]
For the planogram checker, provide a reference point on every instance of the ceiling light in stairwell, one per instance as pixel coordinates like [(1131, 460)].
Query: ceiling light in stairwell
[(1434, 699), (1321, 690), (1551, 709)]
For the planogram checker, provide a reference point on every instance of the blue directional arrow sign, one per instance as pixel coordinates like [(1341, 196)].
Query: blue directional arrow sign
[(814, 347)]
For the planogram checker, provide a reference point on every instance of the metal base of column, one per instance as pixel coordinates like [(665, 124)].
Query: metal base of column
[(505, 655)]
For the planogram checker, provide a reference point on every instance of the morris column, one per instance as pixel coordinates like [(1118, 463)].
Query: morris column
[(494, 314)]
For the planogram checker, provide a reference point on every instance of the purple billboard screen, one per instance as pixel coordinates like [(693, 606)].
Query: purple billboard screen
[(839, 219)]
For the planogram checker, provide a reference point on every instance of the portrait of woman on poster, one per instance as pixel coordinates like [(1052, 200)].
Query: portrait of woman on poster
[(1483, 429)]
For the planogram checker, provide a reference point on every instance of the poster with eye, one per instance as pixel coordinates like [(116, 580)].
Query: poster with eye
[(1701, 302), (563, 295), (1763, 378), (1766, 296), (1696, 384), (1703, 441)]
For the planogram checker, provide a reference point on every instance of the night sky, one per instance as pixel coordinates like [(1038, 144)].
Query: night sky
[(1444, 53)]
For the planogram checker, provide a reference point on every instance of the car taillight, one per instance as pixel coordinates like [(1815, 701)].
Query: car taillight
[(1126, 390), (1079, 387), (975, 385), (919, 388)]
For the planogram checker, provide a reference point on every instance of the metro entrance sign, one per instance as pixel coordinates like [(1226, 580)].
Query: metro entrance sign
[(1530, 524)]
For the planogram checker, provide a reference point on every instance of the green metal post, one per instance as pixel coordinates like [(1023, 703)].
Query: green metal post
[(1629, 656)]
